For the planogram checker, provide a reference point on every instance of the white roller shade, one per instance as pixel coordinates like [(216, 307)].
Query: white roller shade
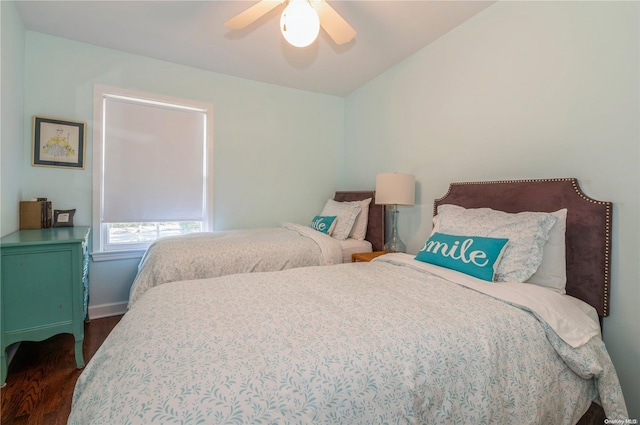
[(154, 162)]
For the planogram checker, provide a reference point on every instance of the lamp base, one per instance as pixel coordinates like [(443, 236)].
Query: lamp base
[(394, 244)]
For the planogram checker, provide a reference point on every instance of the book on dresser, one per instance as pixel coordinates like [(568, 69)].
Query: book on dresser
[(35, 214)]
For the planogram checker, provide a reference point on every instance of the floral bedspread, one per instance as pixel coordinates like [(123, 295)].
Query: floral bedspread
[(361, 343), (212, 254)]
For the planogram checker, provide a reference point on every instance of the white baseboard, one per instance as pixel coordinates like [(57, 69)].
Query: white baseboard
[(107, 310)]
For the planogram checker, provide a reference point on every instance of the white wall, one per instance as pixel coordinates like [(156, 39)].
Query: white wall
[(12, 53), (266, 140), (522, 90)]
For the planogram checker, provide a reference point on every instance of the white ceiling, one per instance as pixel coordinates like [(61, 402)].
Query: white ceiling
[(192, 33)]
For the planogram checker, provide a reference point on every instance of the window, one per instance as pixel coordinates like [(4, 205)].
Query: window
[(152, 170)]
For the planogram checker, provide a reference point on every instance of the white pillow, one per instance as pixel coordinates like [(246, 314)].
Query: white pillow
[(527, 233), (359, 229), (552, 272), (346, 213)]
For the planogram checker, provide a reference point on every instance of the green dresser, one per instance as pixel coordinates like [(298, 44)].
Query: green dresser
[(45, 287)]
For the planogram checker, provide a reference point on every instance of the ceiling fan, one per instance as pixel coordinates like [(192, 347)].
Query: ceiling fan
[(300, 21)]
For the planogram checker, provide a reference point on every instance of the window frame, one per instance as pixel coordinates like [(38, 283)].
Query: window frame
[(101, 250)]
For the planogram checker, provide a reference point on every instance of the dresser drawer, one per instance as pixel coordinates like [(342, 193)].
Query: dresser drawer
[(37, 289)]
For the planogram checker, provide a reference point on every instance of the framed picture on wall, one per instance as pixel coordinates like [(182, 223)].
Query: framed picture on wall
[(58, 143)]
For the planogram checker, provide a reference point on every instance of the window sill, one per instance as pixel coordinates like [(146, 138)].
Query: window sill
[(117, 255)]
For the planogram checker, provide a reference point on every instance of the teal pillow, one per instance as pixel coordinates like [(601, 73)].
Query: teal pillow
[(324, 223), (473, 255)]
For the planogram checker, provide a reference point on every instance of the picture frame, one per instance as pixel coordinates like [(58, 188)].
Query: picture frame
[(58, 143)]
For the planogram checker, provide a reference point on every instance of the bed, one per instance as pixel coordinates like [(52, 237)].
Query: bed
[(212, 254), (396, 340)]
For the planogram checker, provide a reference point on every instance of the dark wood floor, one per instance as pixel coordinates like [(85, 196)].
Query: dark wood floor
[(43, 374)]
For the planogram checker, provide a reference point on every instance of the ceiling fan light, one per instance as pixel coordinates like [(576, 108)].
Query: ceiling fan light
[(299, 23)]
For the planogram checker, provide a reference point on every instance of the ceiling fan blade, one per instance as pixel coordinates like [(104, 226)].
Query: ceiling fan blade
[(334, 24), (252, 14)]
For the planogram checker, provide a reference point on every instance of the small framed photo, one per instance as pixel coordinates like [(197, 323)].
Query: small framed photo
[(58, 143)]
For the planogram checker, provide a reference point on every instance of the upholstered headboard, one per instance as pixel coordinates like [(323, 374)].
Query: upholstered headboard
[(588, 236), (375, 224)]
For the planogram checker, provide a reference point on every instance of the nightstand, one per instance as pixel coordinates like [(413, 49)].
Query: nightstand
[(44, 287), (366, 256)]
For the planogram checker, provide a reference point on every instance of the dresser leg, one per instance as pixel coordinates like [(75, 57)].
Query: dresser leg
[(3, 367), (79, 357)]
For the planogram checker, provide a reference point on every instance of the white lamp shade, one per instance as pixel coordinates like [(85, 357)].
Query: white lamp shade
[(299, 23), (395, 189)]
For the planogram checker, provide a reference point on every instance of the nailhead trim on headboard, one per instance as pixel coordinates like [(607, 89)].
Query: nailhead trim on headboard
[(602, 307)]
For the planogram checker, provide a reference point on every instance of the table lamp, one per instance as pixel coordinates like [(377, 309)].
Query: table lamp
[(395, 189)]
